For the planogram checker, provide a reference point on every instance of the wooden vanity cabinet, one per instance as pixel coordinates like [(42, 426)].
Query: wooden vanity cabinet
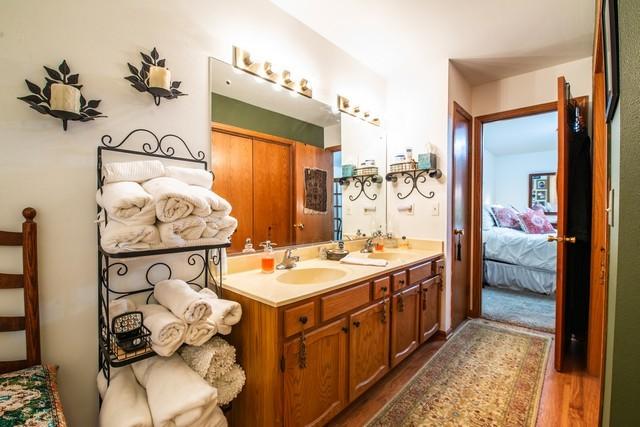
[(404, 323), (429, 308)]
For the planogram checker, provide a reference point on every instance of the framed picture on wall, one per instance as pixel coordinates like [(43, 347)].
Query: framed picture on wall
[(610, 44)]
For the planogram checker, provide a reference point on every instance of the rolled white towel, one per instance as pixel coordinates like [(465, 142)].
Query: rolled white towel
[(124, 401), (215, 419), (200, 332), (222, 311), (127, 202), (217, 205), (228, 385), (177, 396), (364, 261), (118, 237), (221, 228), (191, 176), (182, 300), (174, 199), (213, 359), (167, 331), (176, 233), (138, 171)]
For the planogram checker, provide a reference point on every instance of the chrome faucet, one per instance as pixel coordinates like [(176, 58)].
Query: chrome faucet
[(368, 246), (288, 260)]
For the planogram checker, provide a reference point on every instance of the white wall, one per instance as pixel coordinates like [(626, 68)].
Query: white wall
[(488, 177), (54, 171)]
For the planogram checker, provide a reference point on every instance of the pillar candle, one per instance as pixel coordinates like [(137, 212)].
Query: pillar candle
[(160, 77), (65, 98)]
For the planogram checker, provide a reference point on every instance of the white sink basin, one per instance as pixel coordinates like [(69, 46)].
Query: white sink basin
[(309, 276), (389, 256)]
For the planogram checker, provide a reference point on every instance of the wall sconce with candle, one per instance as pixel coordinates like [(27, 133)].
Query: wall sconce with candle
[(346, 106), (61, 97), (242, 60), (154, 78)]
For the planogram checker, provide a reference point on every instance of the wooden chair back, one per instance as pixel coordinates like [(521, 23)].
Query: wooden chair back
[(28, 280)]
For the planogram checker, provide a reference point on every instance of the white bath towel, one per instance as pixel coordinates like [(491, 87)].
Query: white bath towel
[(191, 176), (138, 171), (118, 237), (200, 332), (211, 360), (223, 311), (176, 233), (228, 385), (224, 329), (364, 261), (217, 205), (216, 419), (120, 306), (174, 199), (177, 396), (182, 300), (167, 331), (221, 228), (124, 401), (127, 202)]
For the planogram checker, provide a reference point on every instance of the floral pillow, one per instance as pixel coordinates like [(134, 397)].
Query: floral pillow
[(535, 222), (506, 217)]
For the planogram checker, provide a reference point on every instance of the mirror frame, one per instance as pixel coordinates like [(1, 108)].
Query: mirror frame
[(529, 201)]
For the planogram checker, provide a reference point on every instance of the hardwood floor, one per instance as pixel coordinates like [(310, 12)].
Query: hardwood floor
[(568, 399)]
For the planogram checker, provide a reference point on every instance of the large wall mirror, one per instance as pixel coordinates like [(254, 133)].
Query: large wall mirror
[(542, 192), (278, 158)]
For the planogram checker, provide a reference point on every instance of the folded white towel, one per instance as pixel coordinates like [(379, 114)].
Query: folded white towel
[(118, 237), (138, 171), (167, 331), (176, 233), (127, 202), (215, 419), (200, 332), (217, 206), (120, 306), (177, 396), (174, 199), (191, 176), (124, 401), (364, 261), (221, 228), (182, 300), (229, 385), (211, 360), (223, 311)]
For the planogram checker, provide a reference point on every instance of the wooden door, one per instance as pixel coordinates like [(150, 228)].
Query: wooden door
[(308, 228), (368, 347), (271, 192), (429, 308), (231, 162), (316, 391), (404, 324), (460, 239)]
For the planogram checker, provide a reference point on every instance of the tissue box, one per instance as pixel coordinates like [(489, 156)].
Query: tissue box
[(427, 161), (348, 170)]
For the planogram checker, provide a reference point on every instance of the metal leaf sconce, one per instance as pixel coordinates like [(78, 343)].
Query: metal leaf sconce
[(61, 97), (154, 77)]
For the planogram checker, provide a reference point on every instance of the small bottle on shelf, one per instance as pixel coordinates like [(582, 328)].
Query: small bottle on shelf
[(248, 246), (268, 261)]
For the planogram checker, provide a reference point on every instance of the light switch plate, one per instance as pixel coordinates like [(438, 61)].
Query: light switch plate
[(435, 209)]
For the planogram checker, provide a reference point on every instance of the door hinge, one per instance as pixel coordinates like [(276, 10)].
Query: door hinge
[(282, 363)]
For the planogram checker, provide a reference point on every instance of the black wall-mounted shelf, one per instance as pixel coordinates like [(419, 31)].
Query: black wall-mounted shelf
[(362, 182), (414, 177)]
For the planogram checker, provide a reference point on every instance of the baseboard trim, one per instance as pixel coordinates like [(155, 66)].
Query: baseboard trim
[(444, 335)]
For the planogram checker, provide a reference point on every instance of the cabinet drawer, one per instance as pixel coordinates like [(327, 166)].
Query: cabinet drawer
[(381, 287), (438, 266), (399, 280), (420, 272), (298, 318), (344, 301)]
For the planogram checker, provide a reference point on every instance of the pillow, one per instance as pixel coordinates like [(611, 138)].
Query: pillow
[(506, 217), (488, 220), (535, 222)]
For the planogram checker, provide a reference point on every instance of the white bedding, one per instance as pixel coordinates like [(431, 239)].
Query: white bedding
[(519, 248)]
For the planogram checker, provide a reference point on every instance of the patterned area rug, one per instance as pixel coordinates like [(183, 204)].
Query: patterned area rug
[(526, 309), (487, 374)]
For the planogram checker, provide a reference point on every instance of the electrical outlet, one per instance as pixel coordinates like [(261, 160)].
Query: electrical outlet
[(435, 209)]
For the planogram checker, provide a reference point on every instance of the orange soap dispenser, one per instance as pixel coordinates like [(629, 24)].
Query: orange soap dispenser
[(268, 261)]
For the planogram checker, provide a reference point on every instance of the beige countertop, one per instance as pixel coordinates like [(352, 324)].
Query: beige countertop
[(268, 289)]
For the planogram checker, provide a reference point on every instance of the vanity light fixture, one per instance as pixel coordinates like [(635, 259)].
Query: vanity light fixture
[(344, 105), (264, 70)]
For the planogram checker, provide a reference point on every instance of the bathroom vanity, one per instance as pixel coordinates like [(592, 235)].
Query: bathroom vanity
[(316, 337)]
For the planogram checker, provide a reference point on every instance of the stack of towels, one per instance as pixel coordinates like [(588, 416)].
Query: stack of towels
[(151, 206), (215, 361), (182, 315)]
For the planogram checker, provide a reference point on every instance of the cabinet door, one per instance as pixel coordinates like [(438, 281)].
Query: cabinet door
[(404, 324), (315, 375), (368, 347), (429, 308)]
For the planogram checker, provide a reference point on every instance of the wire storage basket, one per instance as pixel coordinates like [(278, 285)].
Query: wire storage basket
[(403, 167), (366, 170)]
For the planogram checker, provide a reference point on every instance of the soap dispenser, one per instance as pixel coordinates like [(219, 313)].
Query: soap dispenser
[(268, 261), (248, 246)]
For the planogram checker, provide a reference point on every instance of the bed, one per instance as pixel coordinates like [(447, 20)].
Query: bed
[(28, 389), (517, 260)]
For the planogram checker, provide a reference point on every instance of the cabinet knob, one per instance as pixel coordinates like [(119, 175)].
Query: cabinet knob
[(345, 329), (303, 320), (356, 323)]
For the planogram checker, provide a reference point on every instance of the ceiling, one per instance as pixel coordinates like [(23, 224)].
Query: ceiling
[(487, 40), (521, 135)]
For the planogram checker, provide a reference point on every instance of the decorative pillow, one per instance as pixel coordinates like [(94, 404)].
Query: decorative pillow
[(506, 217), (535, 222), (29, 397), (487, 219)]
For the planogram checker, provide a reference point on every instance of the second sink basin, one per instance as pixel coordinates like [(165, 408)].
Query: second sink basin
[(308, 276), (389, 256)]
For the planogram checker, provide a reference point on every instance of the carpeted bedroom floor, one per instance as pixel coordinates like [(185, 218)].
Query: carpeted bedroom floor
[(526, 309)]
